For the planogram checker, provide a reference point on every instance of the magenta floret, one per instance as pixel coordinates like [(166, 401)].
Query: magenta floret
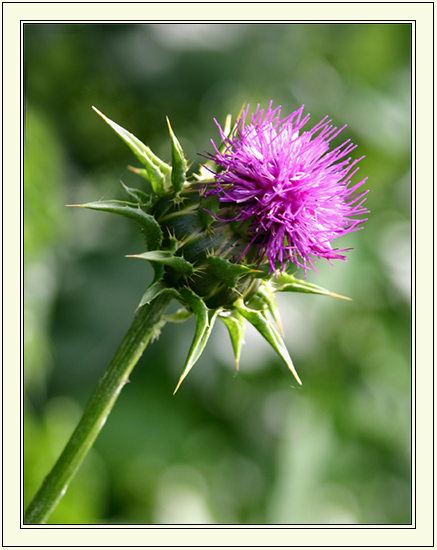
[(296, 192)]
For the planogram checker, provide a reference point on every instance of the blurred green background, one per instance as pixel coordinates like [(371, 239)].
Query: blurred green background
[(246, 448)]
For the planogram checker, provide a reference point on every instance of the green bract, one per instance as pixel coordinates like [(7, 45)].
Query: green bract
[(196, 258)]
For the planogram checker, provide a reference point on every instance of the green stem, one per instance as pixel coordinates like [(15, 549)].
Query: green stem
[(144, 327)]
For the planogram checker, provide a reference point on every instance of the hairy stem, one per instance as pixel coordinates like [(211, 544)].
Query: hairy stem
[(144, 327)]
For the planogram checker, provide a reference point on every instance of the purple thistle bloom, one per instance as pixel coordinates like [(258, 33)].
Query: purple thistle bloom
[(295, 191)]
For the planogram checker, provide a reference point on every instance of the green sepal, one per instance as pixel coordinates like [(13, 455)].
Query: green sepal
[(205, 319), (265, 295), (235, 325), (173, 244), (179, 163), (155, 167), (140, 172), (180, 316), (136, 195), (165, 257), (266, 329), (158, 270), (154, 290), (227, 272), (152, 231), (288, 283)]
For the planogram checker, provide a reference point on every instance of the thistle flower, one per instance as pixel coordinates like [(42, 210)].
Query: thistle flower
[(275, 196), (295, 193)]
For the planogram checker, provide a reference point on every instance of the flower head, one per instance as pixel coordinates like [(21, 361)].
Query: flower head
[(286, 197), (292, 190)]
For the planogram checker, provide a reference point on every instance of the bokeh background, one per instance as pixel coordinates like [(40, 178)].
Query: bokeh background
[(246, 448)]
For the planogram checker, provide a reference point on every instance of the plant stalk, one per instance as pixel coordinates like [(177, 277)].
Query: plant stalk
[(145, 325)]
